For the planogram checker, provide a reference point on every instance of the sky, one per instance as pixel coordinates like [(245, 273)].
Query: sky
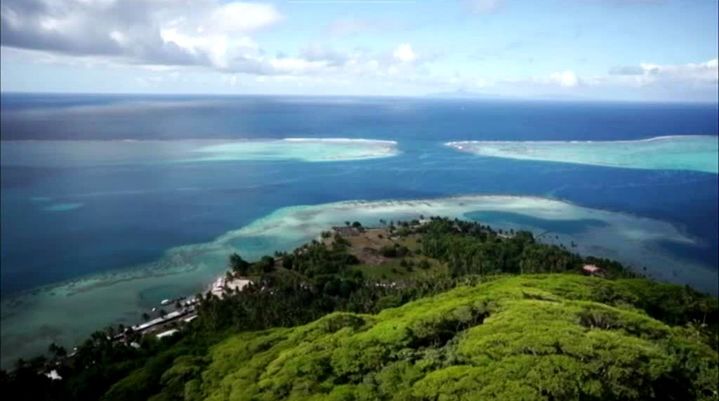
[(628, 50)]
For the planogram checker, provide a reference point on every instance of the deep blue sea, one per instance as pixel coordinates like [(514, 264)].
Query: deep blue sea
[(102, 206)]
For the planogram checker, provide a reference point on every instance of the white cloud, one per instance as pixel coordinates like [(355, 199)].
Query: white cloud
[(706, 72), (680, 79), (210, 36), (240, 17), (161, 32), (647, 73), (404, 53), (565, 79)]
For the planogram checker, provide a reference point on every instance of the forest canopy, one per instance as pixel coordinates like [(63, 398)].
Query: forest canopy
[(433, 310)]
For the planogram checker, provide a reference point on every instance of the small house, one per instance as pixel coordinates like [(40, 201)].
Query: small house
[(592, 270)]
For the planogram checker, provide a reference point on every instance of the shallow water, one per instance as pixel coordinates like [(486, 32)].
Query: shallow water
[(303, 149), (689, 152), (88, 153), (31, 320), (109, 196)]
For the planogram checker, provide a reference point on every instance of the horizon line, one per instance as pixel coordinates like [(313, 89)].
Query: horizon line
[(438, 96)]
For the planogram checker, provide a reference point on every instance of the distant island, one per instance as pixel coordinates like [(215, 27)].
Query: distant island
[(428, 309)]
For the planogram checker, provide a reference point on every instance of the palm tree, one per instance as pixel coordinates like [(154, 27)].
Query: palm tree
[(57, 350)]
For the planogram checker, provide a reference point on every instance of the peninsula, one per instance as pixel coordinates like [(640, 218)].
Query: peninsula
[(415, 310)]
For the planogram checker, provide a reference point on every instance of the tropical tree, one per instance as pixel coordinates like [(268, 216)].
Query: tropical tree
[(239, 265)]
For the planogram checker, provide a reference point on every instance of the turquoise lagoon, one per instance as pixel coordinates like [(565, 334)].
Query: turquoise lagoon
[(53, 153), (689, 152), (109, 204), (31, 320)]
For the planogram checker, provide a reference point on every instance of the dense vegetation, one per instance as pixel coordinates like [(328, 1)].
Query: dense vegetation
[(487, 336), (542, 337)]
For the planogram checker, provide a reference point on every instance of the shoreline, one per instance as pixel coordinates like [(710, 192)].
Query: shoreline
[(366, 203), (138, 272), (189, 268)]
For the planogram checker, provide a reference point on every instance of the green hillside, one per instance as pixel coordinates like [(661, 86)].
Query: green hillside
[(538, 337), (438, 310)]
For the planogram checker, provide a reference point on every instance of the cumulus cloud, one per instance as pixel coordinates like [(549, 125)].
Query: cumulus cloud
[(404, 53), (693, 72), (207, 36), (167, 34), (159, 32), (330, 56), (565, 79), (701, 78), (705, 73)]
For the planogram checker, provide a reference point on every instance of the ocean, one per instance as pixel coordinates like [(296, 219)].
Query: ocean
[(111, 203)]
